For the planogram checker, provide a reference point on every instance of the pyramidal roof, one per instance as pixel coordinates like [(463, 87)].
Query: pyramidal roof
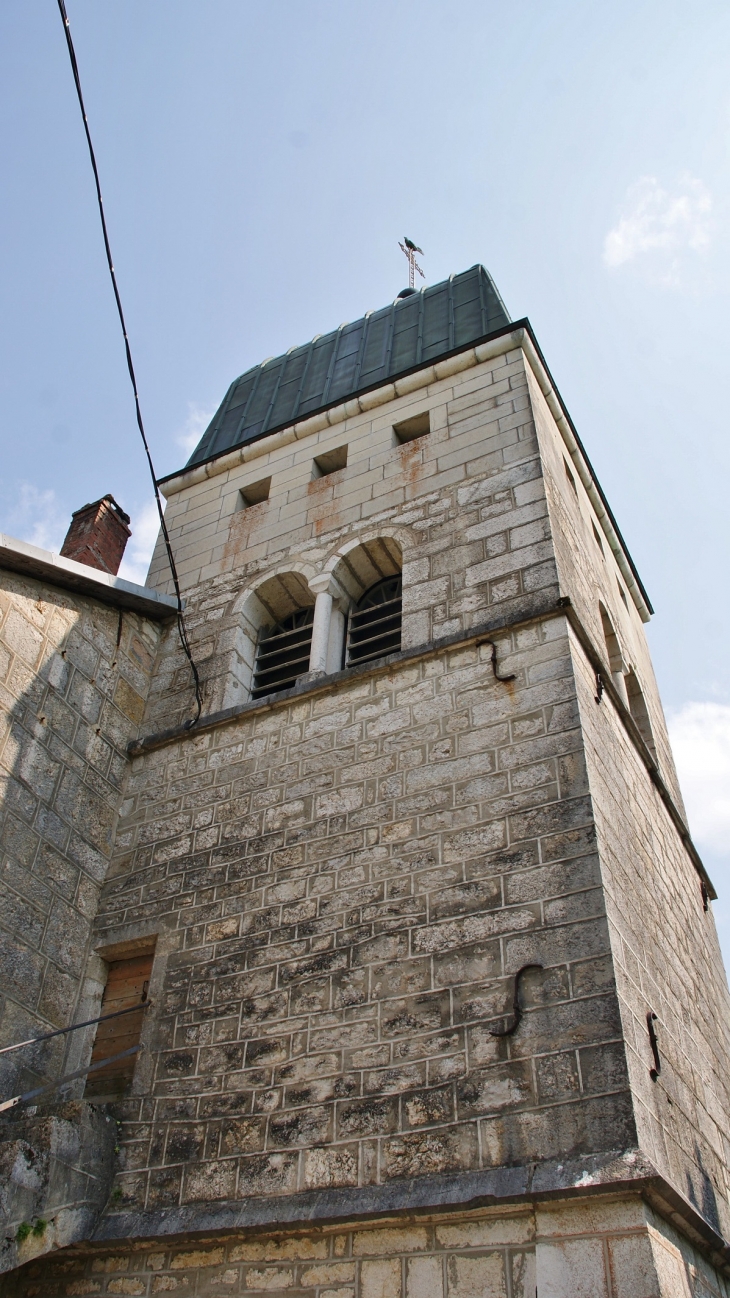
[(415, 330)]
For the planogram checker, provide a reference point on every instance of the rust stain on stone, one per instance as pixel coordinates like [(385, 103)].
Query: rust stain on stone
[(242, 525), (411, 459), (324, 515)]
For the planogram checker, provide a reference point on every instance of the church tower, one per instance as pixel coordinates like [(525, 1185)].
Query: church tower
[(436, 1007)]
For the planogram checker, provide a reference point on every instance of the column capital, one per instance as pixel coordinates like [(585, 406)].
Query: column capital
[(324, 584)]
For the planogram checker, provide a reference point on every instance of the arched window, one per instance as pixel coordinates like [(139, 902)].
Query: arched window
[(639, 711), (615, 660), (375, 622), (615, 657), (283, 653)]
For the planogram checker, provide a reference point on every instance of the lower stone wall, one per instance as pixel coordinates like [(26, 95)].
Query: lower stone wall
[(481, 1254), (601, 1248), (74, 676), (56, 1169), (667, 961), (615, 1248)]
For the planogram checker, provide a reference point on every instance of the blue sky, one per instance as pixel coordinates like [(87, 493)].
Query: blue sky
[(259, 164)]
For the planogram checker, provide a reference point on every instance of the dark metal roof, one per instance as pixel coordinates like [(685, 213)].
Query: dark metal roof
[(412, 331)]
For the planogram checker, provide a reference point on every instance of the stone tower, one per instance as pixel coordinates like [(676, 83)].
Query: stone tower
[(435, 1005)]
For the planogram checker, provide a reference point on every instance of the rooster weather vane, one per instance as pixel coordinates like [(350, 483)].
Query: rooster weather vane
[(409, 248)]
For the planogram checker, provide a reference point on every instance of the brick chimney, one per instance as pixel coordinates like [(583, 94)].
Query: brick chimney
[(97, 535)]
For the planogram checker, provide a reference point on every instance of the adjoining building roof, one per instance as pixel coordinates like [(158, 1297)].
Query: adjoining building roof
[(56, 570), (414, 330)]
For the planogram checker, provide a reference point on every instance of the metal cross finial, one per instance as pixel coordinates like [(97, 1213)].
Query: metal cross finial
[(410, 249)]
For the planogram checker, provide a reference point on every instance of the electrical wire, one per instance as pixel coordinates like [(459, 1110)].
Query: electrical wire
[(182, 629)]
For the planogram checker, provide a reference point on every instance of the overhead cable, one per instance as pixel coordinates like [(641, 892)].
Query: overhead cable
[(182, 629)]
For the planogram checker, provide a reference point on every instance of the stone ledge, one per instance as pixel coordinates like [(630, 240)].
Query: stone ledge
[(614, 1172), (462, 1190), (531, 609), (537, 608), (30, 561)]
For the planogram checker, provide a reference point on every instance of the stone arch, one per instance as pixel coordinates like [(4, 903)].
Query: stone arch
[(639, 710), (402, 539), (357, 567), (404, 543), (256, 608)]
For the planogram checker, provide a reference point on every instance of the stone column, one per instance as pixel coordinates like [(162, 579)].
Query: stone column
[(320, 633), (335, 652), (619, 681), (325, 590)]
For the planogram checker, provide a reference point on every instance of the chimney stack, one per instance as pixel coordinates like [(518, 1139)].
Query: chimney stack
[(97, 535)]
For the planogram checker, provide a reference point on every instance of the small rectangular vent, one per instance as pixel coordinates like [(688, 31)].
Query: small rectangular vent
[(283, 654), (410, 429), (330, 462), (255, 493)]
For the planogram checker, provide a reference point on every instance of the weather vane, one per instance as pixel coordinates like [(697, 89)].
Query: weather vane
[(410, 249)]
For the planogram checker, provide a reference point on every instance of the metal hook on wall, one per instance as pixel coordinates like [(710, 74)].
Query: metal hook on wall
[(497, 677), (651, 1019), (517, 1010)]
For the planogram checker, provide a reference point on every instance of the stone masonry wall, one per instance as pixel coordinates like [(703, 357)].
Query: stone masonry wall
[(604, 1248), (344, 884), (667, 960), (320, 870), (588, 572), (665, 946), (71, 701)]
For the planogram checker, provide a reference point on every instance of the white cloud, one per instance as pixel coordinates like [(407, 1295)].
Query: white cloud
[(700, 735), (195, 425), (665, 223), (37, 517), (145, 526)]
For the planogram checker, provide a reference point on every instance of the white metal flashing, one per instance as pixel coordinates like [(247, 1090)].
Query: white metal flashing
[(44, 565)]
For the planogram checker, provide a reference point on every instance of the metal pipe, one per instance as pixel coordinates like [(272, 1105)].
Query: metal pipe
[(53, 1086), (32, 1041)]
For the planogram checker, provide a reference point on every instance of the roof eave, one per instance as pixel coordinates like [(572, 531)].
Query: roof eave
[(351, 396)]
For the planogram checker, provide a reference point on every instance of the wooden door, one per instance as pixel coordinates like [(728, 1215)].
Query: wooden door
[(126, 986)]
